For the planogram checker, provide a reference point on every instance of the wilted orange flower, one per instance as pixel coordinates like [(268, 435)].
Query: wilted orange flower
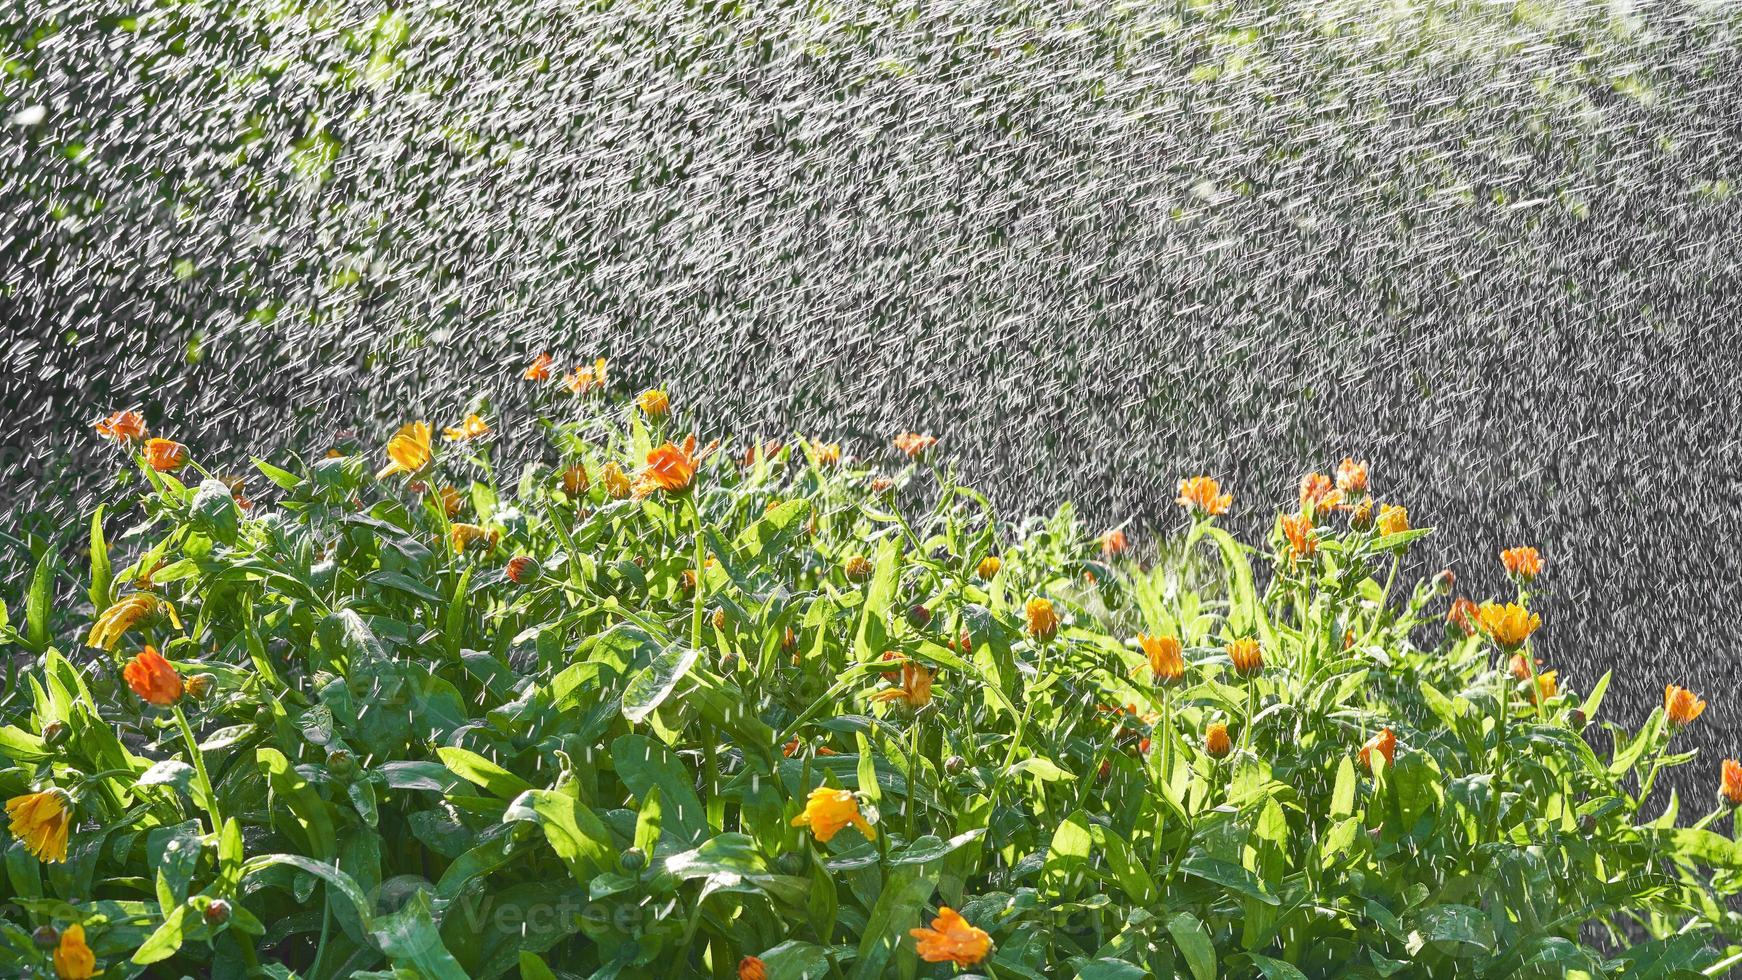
[(1681, 705), (1247, 656), (408, 451), (40, 821), (1317, 493), (451, 501), (1523, 562), (122, 427), (1352, 476), (1463, 615), (988, 567), (1546, 686), (164, 455), (463, 536), (73, 959), (1392, 519), (539, 369), (1302, 542), (951, 940), (584, 379), (616, 481), (1043, 619), (915, 689), (470, 429), (153, 678), (1384, 743), (575, 480), (915, 444), (826, 453), (126, 613), (752, 968), (654, 403), (1200, 495), (1167, 663), (1509, 625), (1216, 743), (1732, 784), (1114, 543), (827, 811), (669, 468)]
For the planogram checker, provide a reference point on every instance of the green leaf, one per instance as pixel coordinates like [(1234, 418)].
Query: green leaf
[(167, 938), (476, 769), (1193, 942), (102, 577), (214, 513), (729, 853), (651, 685), (39, 601), (575, 832), (1229, 875), (307, 809), (643, 764), (533, 968), (897, 910)]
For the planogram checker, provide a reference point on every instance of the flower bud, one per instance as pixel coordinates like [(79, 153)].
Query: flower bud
[(200, 686), (790, 863), (522, 569), (217, 913), (56, 733), (1577, 719), (46, 937), (341, 763), (633, 860), (728, 663), (919, 616), (955, 764), (789, 640), (720, 618), (858, 568), (1444, 581)]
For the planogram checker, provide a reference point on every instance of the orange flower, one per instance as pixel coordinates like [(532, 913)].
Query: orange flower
[(1317, 492), (951, 940), (654, 403), (463, 536), (1352, 476), (1732, 786), (40, 821), (752, 968), (1114, 543), (470, 429), (539, 369), (760, 450), (1392, 519), (1523, 562), (164, 455), (616, 482), (122, 427), (1216, 743), (1509, 625), (915, 689), (1681, 705), (915, 444), (153, 678), (1519, 667), (408, 451), (1463, 615), (827, 811), (669, 468), (584, 379), (1199, 494), (451, 501), (1302, 542), (1247, 656), (1043, 620), (125, 614), (989, 566), (575, 480), (1166, 661), (1384, 743), (73, 960)]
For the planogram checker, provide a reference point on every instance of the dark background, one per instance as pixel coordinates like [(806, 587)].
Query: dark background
[(1491, 249)]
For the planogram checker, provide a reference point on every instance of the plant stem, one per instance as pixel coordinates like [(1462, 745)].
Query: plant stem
[(205, 782)]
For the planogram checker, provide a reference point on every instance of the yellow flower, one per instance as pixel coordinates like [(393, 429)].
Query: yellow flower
[(989, 567), (827, 453), (1509, 625), (1352, 476), (654, 403), (462, 536), (408, 450), (470, 429), (915, 689), (1043, 620), (616, 482), (451, 501), (41, 821), (574, 480), (73, 960), (1166, 662), (1247, 656), (1199, 494), (1681, 705), (1392, 519), (1546, 686), (1317, 492), (829, 810), (951, 940), (125, 614)]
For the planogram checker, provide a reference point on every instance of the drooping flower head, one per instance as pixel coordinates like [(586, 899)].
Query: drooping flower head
[(127, 612), (1523, 563), (951, 940), (1203, 496), (41, 821), (408, 451), (1384, 744), (1043, 619), (1352, 476), (1463, 615), (1681, 705), (915, 689), (472, 428), (1247, 655), (653, 403), (670, 468), (1732, 782), (827, 811), (1166, 658), (121, 427), (1216, 742), (1510, 624), (451, 501), (164, 455), (153, 678), (73, 959), (915, 444)]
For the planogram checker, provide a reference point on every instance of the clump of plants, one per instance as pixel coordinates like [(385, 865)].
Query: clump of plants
[(663, 709)]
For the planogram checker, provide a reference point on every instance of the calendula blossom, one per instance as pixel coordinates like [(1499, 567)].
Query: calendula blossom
[(828, 811), (1318, 493), (472, 428), (574, 479), (915, 444), (164, 455), (951, 940), (451, 501), (1463, 615), (915, 689), (584, 378), (1384, 744), (1247, 655), (73, 959), (153, 678), (616, 482), (408, 450), (1302, 541), (127, 612), (1352, 476), (1524, 562), (1165, 655), (1043, 619), (41, 821), (826, 453), (1546, 686), (122, 427), (1114, 543), (539, 369), (1392, 519), (1681, 705), (1203, 496), (988, 567), (1217, 745), (463, 536), (1731, 786), (1510, 624), (670, 468), (654, 403), (752, 968)]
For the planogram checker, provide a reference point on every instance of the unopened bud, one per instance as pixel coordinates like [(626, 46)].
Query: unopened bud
[(633, 860), (729, 663), (955, 764), (46, 937), (789, 640), (56, 733), (1444, 581), (200, 686), (919, 616), (341, 763), (217, 913), (858, 568), (1577, 719), (522, 569), (720, 618)]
